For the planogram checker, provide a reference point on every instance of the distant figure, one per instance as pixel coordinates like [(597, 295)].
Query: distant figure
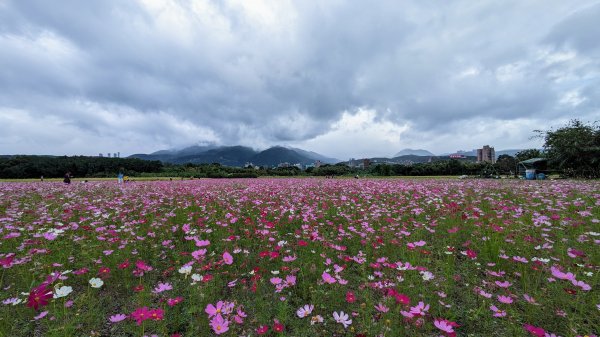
[(356, 176), (67, 179), (120, 178), (42, 178)]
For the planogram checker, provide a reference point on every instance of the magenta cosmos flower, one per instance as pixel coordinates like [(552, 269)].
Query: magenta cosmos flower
[(39, 296), (219, 324)]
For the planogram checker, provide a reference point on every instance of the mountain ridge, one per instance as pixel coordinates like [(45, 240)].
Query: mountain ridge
[(236, 155)]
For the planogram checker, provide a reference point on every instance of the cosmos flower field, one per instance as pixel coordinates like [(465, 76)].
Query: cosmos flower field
[(300, 257)]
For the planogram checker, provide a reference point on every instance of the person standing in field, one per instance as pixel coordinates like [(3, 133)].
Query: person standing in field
[(67, 179), (120, 178)]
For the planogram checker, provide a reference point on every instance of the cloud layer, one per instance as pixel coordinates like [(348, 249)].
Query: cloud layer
[(343, 78)]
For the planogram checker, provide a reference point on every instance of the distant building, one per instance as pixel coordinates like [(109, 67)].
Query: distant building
[(100, 155), (108, 154), (366, 163), (115, 155), (486, 154), (457, 156), (318, 163)]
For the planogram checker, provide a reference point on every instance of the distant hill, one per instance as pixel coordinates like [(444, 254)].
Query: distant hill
[(418, 152), (316, 156), (236, 156)]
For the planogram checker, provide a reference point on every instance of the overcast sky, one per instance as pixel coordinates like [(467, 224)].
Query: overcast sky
[(343, 78)]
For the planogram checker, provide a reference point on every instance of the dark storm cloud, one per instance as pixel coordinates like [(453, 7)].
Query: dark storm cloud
[(150, 74)]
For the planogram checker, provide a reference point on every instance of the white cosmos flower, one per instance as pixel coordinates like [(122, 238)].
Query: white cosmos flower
[(62, 291), (96, 282), (185, 270)]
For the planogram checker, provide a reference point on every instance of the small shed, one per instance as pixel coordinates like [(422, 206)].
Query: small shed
[(533, 165)]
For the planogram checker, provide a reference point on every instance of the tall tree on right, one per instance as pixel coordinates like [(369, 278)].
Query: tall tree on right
[(574, 148)]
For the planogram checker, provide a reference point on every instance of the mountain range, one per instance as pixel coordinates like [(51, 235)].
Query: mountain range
[(419, 152), (237, 156)]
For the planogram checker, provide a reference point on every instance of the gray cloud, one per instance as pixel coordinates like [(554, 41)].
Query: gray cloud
[(145, 75)]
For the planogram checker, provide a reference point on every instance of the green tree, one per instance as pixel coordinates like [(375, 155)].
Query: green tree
[(574, 148), (528, 154), (506, 163)]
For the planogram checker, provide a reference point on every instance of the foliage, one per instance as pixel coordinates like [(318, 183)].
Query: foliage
[(506, 164), (574, 148), (80, 166), (528, 154)]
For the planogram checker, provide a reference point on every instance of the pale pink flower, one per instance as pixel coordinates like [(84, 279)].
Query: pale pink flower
[(162, 287), (381, 308), (41, 315), (117, 318), (305, 310), (497, 312), (504, 284), (227, 258), (505, 299), (443, 325), (420, 309), (342, 318)]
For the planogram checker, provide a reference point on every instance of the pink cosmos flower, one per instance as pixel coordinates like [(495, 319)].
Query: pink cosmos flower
[(41, 315), (497, 312), (420, 309), (157, 314), (504, 284), (290, 280), (219, 325), (197, 254), (174, 301), (211, 310), (350, 297), (534, 330), (227, 258), (443, 325), (240, 315), (584, 286), (275, 280), (328, 278), (381, 308), (117, 318), (162, 287), (305, 310), (505, 299), (560, 275), (202, 243), (277, 326), (530, 299), (49, 236), (289, 258), (261, 330)]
